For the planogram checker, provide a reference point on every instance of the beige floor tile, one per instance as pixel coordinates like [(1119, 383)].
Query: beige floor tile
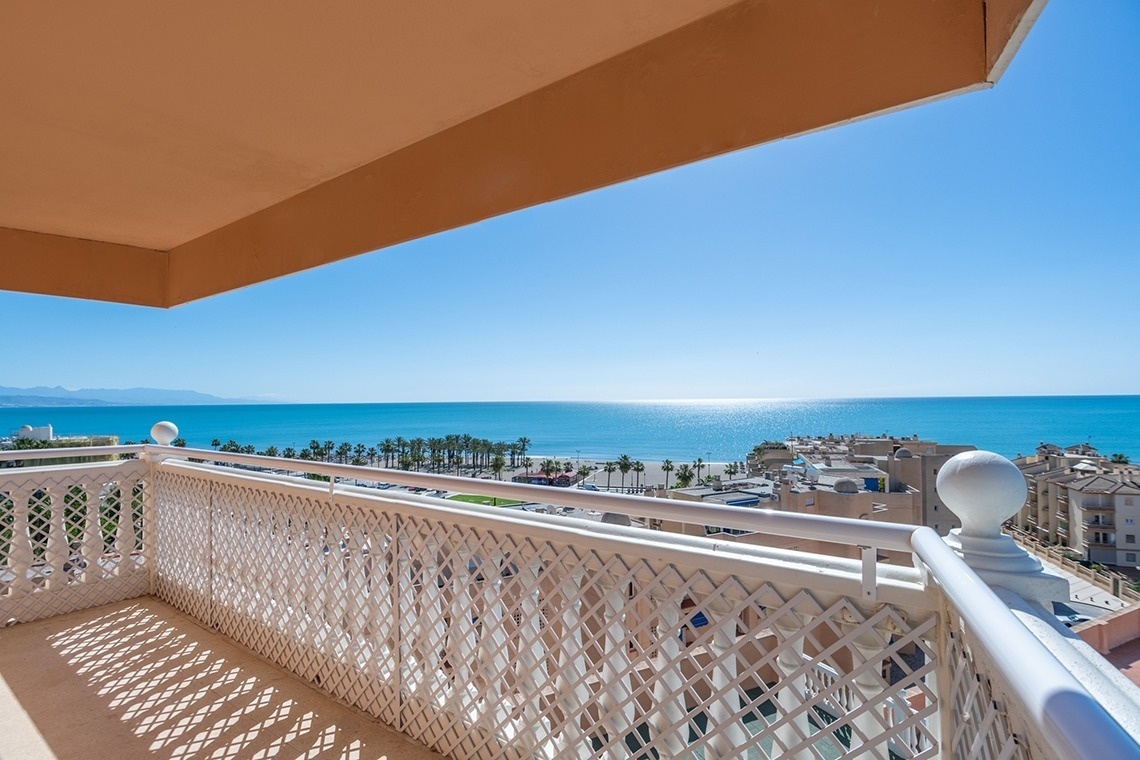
[(139, 679)]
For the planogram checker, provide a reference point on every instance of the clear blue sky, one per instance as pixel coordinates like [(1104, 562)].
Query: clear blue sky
[(984, 245)]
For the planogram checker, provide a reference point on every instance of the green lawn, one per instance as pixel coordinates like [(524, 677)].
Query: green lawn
[(471, 498)]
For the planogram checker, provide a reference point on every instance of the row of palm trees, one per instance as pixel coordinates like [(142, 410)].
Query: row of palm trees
[(686, 473), (457, 452)]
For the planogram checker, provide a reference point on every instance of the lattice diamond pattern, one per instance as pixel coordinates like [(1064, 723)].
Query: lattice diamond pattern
[(491, 643), (981, 725), (71, 539)]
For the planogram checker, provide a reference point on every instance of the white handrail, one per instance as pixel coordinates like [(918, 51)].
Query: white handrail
[(22, 455), (813, 527), (1074, 723)]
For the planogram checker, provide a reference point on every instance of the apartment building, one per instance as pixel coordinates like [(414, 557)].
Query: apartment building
[(1081, 499)]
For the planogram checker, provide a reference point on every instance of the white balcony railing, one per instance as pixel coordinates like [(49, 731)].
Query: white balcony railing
[(484, 632)]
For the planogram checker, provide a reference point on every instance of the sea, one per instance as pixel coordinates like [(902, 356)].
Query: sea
[(716, 430)]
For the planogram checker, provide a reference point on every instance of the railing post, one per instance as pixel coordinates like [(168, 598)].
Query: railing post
[(20, 553), (984, 490), (794, 728), (58, 548), (670, 724), (730, 734), (163, 433), (867, 649)]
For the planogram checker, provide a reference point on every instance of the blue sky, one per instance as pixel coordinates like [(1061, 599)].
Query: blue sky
[(983, 245)]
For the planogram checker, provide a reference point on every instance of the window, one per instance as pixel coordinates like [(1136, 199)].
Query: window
[(1129, 538), (1129, 501), (1128, 521), (1130, 557), (935, 507)]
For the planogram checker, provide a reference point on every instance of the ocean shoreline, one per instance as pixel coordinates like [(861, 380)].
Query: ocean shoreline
[(650, 431)]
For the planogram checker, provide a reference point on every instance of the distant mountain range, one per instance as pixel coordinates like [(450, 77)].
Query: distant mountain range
[(59, 396)]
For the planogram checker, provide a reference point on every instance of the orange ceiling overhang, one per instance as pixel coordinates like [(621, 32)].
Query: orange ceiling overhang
[(156, 153)]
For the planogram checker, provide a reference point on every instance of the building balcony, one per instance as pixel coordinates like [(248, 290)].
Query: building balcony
[(194, 600)]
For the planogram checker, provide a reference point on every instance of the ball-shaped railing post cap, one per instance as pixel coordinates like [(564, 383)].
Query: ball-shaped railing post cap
[(983, 489), (164, 433)]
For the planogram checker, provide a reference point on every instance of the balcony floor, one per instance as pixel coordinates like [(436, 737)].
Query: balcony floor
[(140, 679)]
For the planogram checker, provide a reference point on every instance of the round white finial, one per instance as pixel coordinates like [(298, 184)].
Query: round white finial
[(983, 489), (164, 432)]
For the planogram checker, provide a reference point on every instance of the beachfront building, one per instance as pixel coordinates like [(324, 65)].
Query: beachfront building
[(825, 486), (1050, 474), (1083, 500), (1104, 515), (165, 604), (884, 464), (558, 479)]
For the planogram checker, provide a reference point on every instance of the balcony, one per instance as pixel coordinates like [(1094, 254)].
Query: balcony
[(483, 632)]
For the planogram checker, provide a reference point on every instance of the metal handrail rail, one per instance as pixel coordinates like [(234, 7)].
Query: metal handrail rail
[(23, 455), (1074, 723)]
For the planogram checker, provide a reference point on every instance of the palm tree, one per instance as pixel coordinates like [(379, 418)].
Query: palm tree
[(609, 468), (523, 444), (289, 453), (697, 465), (216, 443), (549, 468), (667, 467), (526, 463), (731, 469), (387, 448), (684, 476), (624, 464), (497, 465), (638, 468), (583, 473), (1119, 459)]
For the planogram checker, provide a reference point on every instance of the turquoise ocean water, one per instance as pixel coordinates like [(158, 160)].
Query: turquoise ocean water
[(649, 430)]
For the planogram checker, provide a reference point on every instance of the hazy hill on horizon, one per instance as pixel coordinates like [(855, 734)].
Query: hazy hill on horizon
[(60, 396)]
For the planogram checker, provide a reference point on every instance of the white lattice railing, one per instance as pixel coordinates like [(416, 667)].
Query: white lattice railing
[(492, 633)]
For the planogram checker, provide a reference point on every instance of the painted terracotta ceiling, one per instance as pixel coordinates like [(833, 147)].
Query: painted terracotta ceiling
[(156, 153)]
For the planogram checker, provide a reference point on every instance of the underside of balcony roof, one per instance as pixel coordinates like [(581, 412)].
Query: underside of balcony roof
[(157, 153)]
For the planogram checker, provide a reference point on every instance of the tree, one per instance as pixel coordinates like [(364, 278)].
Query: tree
[(289, 453), (216, 443), (387, 448), (609, 469), (181, 442), (624, 464), (549, 468), (697, 465), (667, 467), (731, 469), (684, 476), (526, 463), (523, 443), (583, 473), (497, 465), (1120, 459), (638, 467), (568, 467)]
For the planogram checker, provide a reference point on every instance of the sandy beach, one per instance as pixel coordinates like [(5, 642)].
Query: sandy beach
[(652, 476)]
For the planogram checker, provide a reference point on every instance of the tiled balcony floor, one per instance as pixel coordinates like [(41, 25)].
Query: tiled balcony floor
[(139, 679)]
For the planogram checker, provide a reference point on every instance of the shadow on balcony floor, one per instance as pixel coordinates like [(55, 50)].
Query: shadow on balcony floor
[(140, 679)]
